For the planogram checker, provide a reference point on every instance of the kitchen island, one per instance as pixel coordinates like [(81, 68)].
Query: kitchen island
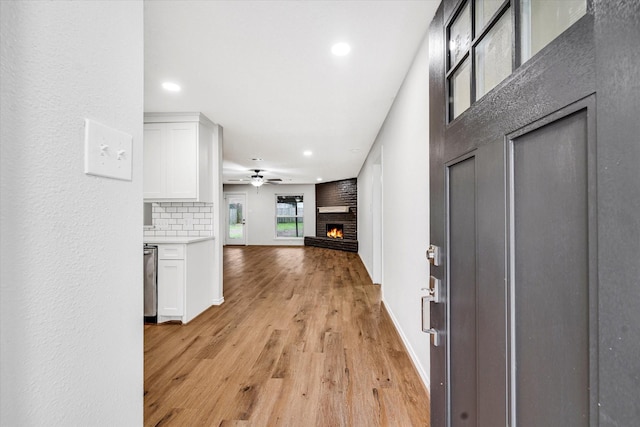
[(185, 276)]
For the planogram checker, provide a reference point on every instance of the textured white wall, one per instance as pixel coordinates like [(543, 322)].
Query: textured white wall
[(404, 140), (71, 244), (261, 215)]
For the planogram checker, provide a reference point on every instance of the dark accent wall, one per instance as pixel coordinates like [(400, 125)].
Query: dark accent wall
[(338, 193)]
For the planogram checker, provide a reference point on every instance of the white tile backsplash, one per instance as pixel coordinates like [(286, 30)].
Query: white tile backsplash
[(181, 219)]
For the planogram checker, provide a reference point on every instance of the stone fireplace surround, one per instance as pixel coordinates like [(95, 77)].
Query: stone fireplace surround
[(342, 193)]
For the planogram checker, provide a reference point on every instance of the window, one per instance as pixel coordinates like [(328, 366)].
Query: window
[(481, 43), (290, 216)]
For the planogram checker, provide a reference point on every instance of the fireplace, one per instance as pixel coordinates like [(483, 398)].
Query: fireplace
[(336, 216), (335, 231)]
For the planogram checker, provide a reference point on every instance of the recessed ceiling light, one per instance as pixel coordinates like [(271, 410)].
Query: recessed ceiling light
[(257, 159), (318, 179), (308, 153), (171, 87), (340, 49)]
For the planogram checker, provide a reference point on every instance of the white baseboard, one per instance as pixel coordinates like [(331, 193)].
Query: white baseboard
[(366, 267), (424, 376), (217, 301)]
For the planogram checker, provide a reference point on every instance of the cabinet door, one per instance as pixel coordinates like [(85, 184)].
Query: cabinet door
[(205, 163), (170, 287), (154, 178), (182, 160)]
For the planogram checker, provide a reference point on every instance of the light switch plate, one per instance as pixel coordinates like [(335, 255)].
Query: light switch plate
[(107, 151)]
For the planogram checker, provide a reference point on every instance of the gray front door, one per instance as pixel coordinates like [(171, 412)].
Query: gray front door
[(517, 209)]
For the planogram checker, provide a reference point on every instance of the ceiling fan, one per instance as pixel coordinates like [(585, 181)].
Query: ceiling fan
[(257, 179)]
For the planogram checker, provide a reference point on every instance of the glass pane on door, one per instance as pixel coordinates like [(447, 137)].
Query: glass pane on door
[(460, 89), (543, 21), (485, 9), (236, 219), (493, 56), (460, 36)]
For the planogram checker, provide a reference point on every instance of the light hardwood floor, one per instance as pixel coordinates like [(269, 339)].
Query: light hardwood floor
[(301, 340)]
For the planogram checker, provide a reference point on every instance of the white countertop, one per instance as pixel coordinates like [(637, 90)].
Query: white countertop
[(175, 239)]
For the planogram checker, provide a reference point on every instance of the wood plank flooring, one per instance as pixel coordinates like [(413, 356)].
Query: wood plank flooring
[(301, 340)]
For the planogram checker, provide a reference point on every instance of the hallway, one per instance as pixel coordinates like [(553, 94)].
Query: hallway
[(301, 340)]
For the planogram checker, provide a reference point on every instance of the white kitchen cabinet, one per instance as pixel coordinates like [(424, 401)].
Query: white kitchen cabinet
[(185, 280), (178, 157), (170, 287)]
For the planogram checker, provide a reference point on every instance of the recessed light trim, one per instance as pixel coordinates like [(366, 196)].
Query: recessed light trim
[(340, 49), (171, 87), (308, 153), (318, 179)]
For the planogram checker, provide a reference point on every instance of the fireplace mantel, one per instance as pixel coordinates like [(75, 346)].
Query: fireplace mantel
[(333, 209)]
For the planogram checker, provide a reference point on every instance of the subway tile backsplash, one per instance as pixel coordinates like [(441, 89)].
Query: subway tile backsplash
[(181, 219)]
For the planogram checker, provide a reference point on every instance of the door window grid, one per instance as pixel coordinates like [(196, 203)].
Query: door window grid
[(474, 13), (491, 38)]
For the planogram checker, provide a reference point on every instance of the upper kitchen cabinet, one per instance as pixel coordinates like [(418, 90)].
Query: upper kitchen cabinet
[(179, 157)]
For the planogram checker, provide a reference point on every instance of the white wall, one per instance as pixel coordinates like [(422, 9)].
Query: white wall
[(366, 206), (71, 244), (261, 212), (402, 148)]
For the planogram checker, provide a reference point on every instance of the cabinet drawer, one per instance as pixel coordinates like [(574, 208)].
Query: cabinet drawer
[(171, 251)]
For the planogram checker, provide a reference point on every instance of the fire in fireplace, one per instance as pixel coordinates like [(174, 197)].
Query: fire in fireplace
[(335, 231)]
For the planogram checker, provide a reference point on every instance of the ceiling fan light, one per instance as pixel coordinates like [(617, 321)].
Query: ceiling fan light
[(257, 181)]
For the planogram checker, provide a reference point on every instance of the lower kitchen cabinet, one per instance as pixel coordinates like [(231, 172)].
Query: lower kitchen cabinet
[(171, 287), (185, 280)]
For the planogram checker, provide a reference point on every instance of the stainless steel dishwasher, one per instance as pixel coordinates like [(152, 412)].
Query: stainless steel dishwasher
[(150, 284)]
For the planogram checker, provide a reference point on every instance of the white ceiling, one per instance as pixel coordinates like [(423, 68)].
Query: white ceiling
[(264, 71)]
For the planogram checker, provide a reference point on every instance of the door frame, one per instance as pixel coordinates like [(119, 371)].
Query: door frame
[(245, 233), (377, 221)]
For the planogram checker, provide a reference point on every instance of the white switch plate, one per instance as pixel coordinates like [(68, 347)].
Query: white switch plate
[(107, 151)]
